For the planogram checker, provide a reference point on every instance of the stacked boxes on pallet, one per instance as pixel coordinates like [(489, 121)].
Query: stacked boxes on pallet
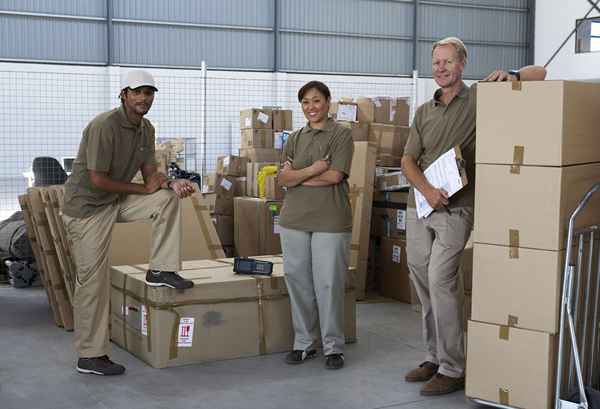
[(532, 170)]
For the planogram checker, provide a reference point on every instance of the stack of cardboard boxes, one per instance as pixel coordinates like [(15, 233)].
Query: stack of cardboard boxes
[(532, 170)]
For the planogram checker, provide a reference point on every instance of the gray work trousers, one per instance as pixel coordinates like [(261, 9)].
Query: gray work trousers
[(315, 266)]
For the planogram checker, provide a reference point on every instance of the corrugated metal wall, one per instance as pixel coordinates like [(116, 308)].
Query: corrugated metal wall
[(336, 36)]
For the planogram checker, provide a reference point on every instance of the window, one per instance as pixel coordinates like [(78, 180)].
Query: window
[(588, 35)]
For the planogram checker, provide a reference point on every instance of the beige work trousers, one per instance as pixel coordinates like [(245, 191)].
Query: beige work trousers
[(90, 240), (434, 246)]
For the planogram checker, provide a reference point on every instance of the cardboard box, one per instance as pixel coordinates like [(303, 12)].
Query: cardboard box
[(344, 111), (239, 186), (398, 197), (388, 222), (225, 192), (223, 316), (256, 119), (131, 242), (261, 154), (532, 283), (392, 181), (252, 170), (510, 366), (231, 165), (224, 227), (565, 113), (389, 160), (393, 111), (395, 281), (389, 139), (531, 208), (362, 175), (256, 230), (273, 191), (256, 138), (466, 265), (282, 119), (208, 182), (360, 131)]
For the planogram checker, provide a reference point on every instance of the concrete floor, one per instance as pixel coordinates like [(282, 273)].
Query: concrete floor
[(37, 361)]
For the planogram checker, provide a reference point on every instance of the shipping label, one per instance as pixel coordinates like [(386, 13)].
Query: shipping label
[(185, 335), (396, 254), (144, 318), (401, 220), (226, 184), (262, 117)]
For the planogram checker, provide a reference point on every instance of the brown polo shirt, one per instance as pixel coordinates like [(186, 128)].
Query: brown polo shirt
[(110, 144), (322, 208), (437, 128)]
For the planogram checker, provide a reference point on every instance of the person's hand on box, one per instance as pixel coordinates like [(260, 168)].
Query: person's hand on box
[(182, 187)]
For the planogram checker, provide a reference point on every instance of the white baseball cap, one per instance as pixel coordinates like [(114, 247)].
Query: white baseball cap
[(137, 78)]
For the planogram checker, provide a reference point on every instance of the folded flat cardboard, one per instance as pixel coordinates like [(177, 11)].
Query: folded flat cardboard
[(362, 175), (395, 281), (256, 230), (282, 119), (224, 227), (256, 138), (359, 131), (252, 169), (522, 292), (392, 181), (231, 165), (225, 192), (131, 242), (389, 139), (261, 154), (531, 208), (256, 119), (550, 123), (223, 316), (510, 366)]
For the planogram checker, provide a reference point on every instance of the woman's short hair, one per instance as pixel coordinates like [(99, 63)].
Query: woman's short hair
[(459, 47), (318, 85)]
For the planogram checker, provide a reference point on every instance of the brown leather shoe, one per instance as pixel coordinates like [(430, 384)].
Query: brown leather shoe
[(441, 385), (423, 373)]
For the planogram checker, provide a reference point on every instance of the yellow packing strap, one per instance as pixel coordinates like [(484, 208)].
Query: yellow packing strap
[(270, 170)]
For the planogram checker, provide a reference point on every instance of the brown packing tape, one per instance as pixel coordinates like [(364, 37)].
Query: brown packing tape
[(354, 246), (174, 335), (518, 159), (503, 396), (517, 85), (513, 242), (262, 341), (512, 320), (504, 332)]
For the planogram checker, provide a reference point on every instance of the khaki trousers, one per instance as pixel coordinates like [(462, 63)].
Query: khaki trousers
[(434, 246), (315, 266), (90, 240)]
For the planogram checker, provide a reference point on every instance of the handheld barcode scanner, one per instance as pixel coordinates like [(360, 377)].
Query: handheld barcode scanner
[(250, 266)]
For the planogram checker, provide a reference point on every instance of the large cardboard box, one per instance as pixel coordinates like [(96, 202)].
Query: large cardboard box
[(273, 190), (231, 165), (522, 292), (256, 138), (224, 227), (531, 208), (261, 154), (282, 119), (223, 316), (131, 242), (225, 192), (359, 131), (393, 111), (510, 366), (256, 119), (388, 222), (362, 175), (389, 139), (545, 123), (392, 181), (256, 230), (395, 281), (252, 169)]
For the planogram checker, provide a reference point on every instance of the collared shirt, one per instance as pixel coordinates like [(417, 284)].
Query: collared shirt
[(437, 128), (319, 208), (113, 145)]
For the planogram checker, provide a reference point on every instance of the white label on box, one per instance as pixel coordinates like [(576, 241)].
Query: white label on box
[(401, 220), (144, 318), (392, 113), (276, 227), (262, 117), (346, 112), (396, 253), (226, 161), (226, 184), (248, 122), (377, 102), (185, 335)]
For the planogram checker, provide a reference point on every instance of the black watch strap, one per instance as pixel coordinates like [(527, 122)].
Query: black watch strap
[(516, 74)]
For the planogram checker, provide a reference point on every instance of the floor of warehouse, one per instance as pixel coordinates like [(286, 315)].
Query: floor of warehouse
[(36, 370)]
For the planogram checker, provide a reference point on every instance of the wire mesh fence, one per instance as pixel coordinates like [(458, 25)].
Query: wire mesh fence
[(43, 114)]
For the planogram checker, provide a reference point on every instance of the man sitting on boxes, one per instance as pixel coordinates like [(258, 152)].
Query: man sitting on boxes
[(98, 194), (435, 243)]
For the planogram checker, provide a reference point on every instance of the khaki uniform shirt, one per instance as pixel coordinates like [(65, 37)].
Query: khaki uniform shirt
[(437, 128), (321, 208), (110, 144)]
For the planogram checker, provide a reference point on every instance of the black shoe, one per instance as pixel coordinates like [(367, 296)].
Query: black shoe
[(297, 356), (99, 366), (334, 361), (157, 278)]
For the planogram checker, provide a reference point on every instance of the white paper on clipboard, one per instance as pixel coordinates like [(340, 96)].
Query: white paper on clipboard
[(445, 174)]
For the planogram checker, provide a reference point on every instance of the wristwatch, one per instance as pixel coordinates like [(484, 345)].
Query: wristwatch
[(516, 74), (169, 183)]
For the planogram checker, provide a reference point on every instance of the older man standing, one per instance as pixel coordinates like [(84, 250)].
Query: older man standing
[(435, 243)]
